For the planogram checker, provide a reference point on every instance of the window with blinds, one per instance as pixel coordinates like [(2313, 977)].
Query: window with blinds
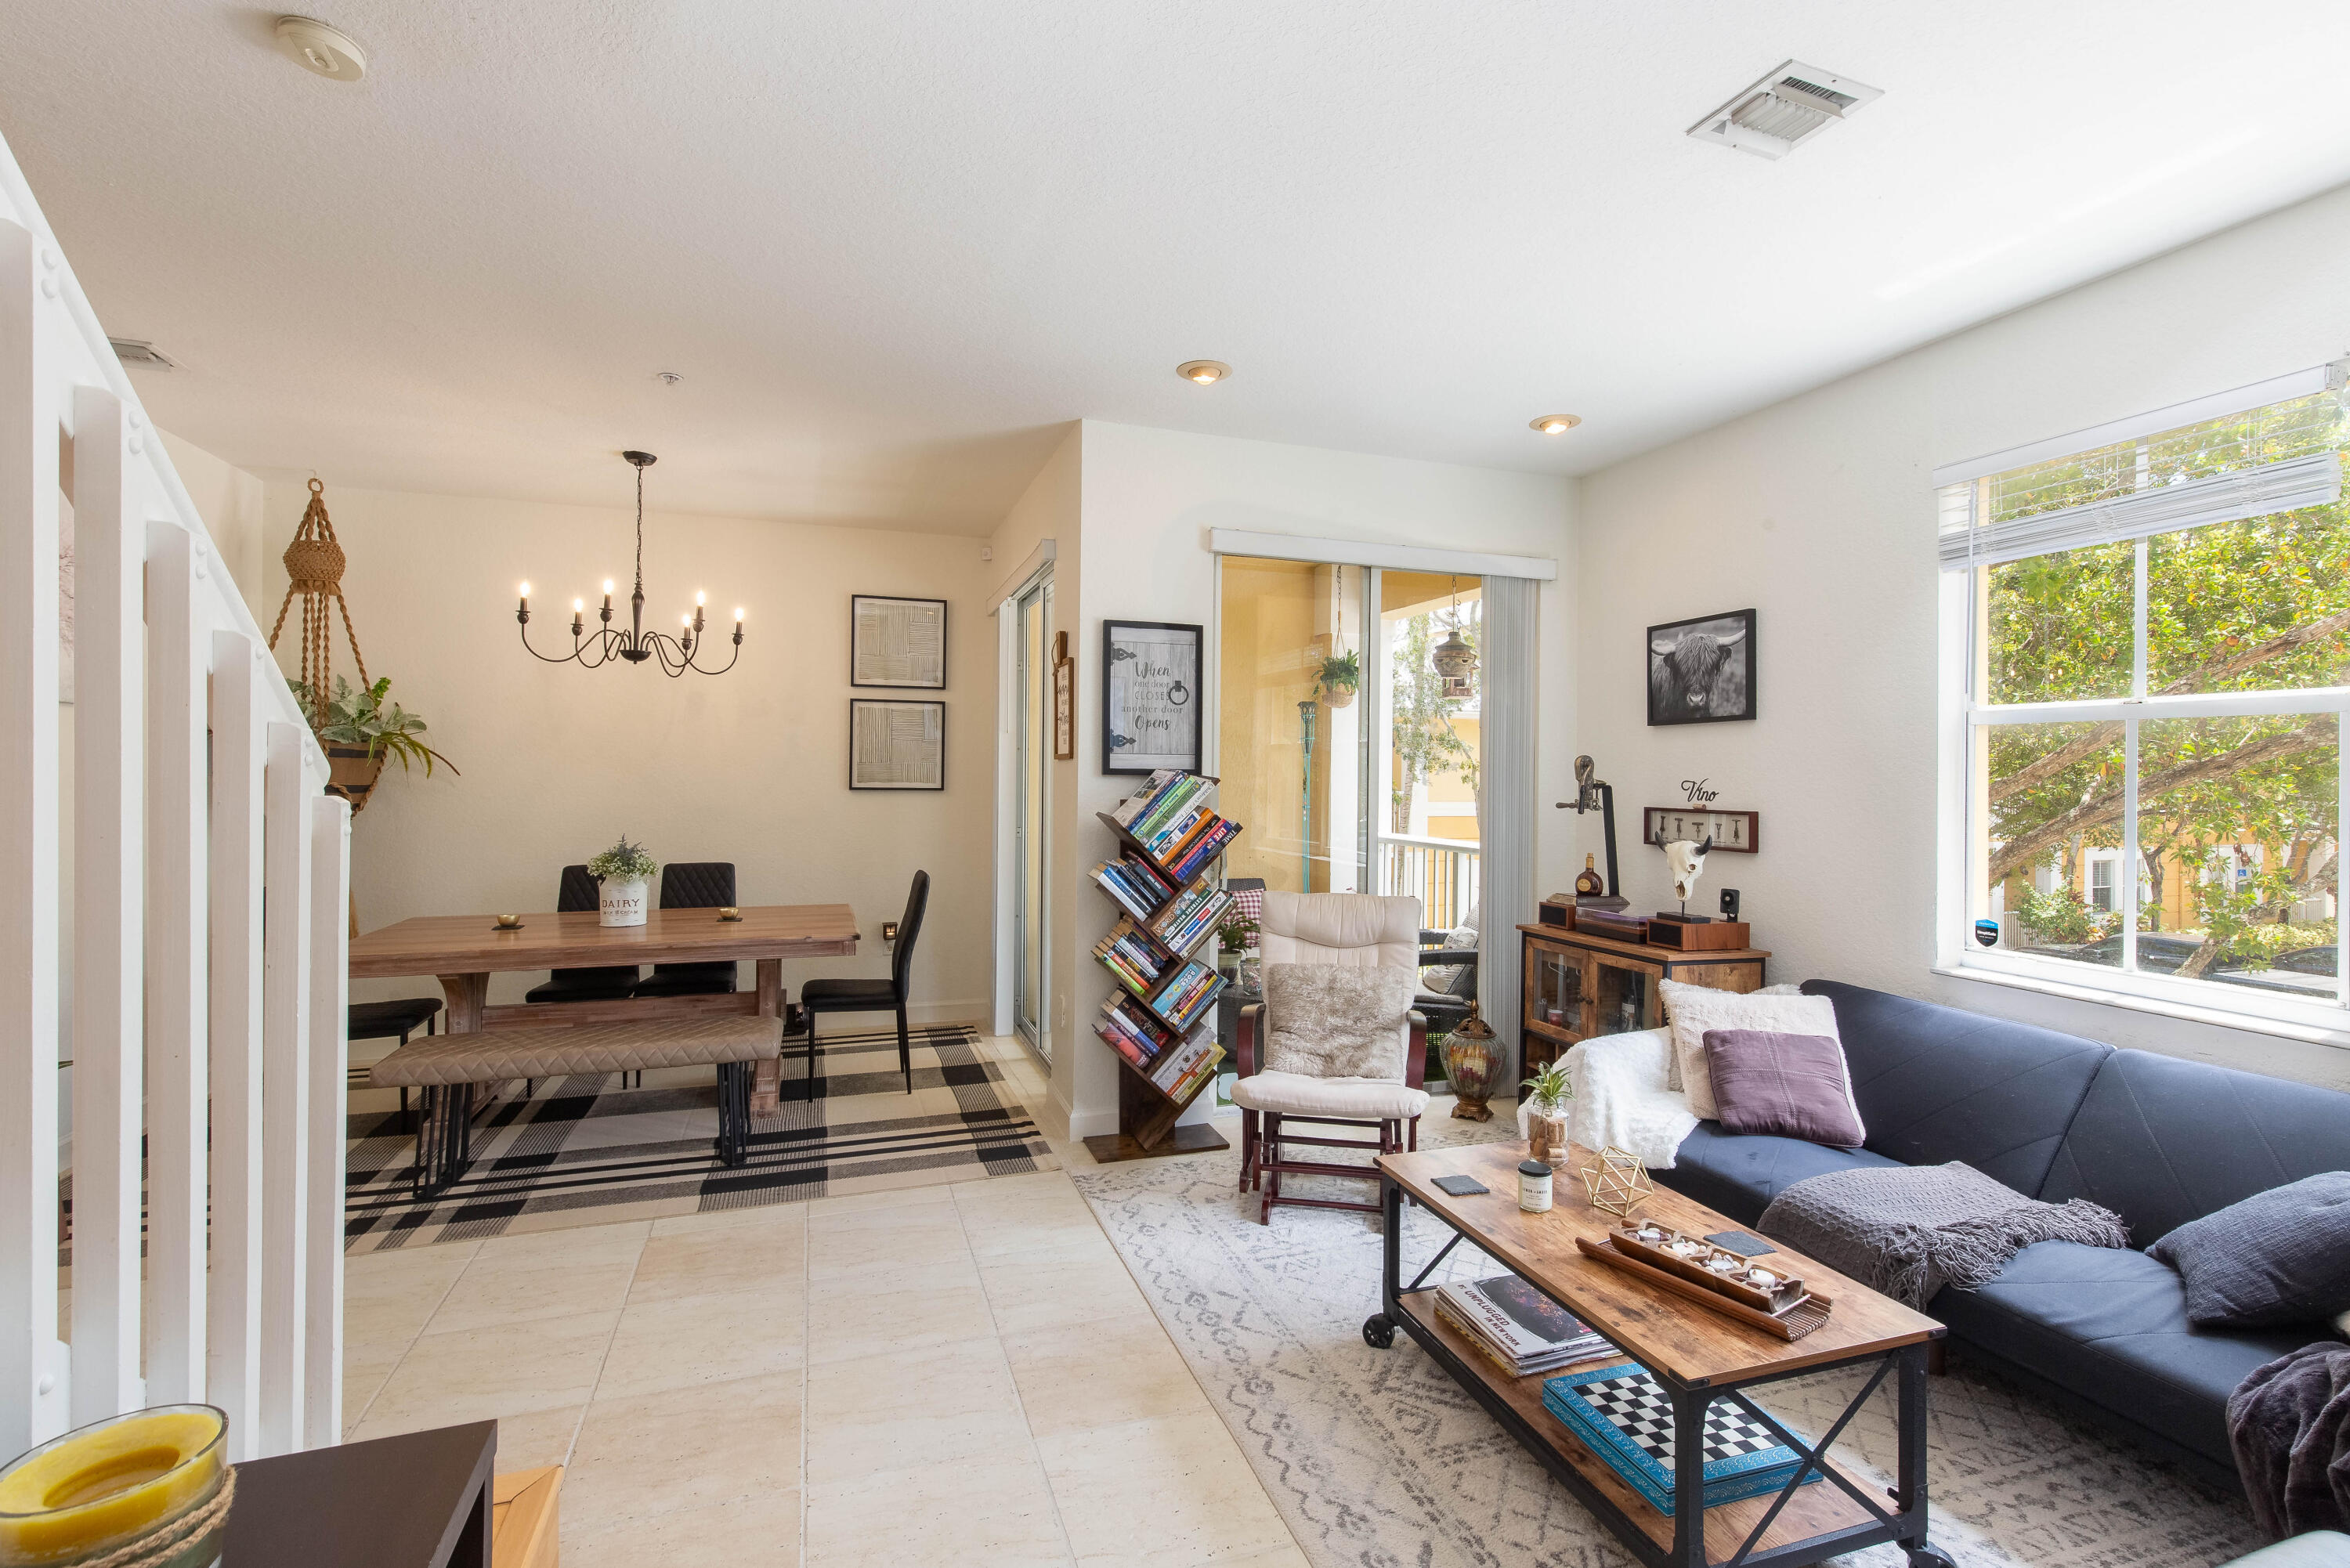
[(2155, 670)]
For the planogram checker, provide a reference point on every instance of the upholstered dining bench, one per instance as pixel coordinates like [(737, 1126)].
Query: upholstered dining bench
[(447, 1066)]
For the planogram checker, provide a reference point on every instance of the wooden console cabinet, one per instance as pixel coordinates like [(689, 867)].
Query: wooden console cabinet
[(1577, 985)]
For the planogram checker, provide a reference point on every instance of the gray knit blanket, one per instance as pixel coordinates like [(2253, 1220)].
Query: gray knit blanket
[(1908, 1230), (2289, 1423)]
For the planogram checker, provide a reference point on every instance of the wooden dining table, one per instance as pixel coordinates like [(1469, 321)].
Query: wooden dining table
[(463, 951)]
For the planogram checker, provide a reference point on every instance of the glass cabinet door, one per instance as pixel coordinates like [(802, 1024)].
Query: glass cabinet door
[(1553, 988)]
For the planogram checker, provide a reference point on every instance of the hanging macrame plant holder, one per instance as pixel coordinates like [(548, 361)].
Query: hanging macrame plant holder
[(314, 572)]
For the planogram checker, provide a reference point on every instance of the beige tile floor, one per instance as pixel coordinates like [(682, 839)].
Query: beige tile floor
[(960, 1373)]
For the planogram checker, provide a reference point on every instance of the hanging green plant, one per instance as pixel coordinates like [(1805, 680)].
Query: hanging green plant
[(1341, 678), (360, 733)]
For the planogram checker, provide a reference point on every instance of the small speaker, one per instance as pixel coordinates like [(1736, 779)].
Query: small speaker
[(1730, 903)]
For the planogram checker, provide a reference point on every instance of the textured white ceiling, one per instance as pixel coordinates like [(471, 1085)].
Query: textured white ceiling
[(892, 246)]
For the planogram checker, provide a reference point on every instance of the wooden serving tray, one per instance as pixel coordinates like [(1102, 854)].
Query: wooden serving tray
[(1792, 1324), (1777, 1299)]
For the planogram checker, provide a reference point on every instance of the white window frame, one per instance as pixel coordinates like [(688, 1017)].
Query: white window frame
[(1961, 721)]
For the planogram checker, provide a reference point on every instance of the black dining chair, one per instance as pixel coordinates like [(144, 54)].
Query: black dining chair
[(576, 894), (394, 1019), (694, 884), (873, 995)]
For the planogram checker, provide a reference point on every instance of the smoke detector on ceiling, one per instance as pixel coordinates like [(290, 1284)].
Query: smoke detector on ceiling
[(314, 47), (1785, 110), (138, 354)]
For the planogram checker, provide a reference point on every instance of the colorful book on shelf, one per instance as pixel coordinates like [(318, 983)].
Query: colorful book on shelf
[(1180, 1062), (1203, 849), (1185, 994), (1175, 806), (1138, 1039), (1178, 1086), (1623, 1415), (1139, 889), (1125, 812), (1182, 923), (1133, 957), (1168, 847)]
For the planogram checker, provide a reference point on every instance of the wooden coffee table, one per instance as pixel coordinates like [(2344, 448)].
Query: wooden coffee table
[(1699, 1356)]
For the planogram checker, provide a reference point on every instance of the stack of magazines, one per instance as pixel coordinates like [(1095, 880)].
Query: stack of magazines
[(1623, 1414), (1517, 1325)]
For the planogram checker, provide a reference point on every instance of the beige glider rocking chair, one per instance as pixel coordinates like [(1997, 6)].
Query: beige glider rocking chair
[(1349, 929)]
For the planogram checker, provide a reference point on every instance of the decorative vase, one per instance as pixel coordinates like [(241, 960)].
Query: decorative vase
[(1473, 1060), (619, 903), (156, 1482)]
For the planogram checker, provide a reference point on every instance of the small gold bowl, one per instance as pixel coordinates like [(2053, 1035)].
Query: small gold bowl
[(729, 912), (508, 922)]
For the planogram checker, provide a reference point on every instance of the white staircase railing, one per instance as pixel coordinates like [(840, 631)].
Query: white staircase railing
[(209, 877)]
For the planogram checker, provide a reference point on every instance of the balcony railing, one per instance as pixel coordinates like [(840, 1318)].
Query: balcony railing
[(1441, 873)]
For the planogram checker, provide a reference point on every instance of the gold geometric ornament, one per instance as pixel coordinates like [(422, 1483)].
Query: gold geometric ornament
[(1619, 1183)]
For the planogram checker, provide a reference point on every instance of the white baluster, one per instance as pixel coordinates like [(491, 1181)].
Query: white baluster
[(34, 1380), (330, 883), (285, 1089), (178, 658), (110, 832), (232, 1334)]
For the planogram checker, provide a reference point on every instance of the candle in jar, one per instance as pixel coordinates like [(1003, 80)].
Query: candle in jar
[(1534, 1178), (108, 1483)]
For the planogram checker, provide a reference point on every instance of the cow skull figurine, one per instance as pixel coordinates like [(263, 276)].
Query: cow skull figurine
[(1686, 860)]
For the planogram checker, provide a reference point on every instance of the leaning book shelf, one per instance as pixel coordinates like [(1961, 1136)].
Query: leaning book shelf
[(1161, 1021)]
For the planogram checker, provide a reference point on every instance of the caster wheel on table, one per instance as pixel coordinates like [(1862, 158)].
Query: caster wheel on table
[(1378, 1331), (1923, 1556)]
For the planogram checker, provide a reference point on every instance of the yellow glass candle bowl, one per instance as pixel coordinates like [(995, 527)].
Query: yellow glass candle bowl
[(101, 1487)]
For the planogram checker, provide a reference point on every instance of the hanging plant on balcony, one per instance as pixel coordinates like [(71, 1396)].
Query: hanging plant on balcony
[(357, 731), (1342, 677)]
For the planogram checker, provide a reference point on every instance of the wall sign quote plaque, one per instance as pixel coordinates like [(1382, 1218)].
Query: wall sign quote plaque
[(1151, 696)]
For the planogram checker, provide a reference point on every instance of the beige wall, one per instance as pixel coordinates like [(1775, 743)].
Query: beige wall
[(1819, 512), (229, 500), (751, 766)]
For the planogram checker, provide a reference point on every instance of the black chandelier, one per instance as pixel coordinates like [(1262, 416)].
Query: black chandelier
[(676, 654)]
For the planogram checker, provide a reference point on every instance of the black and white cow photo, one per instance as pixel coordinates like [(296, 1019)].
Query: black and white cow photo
[(1701, 671)]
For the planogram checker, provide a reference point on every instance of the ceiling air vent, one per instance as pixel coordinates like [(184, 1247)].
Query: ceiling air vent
[(1783, 111), (136, 354)]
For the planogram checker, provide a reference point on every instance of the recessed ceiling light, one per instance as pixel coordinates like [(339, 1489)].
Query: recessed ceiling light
[(1554, 424), (1207, 372), (316, 47)]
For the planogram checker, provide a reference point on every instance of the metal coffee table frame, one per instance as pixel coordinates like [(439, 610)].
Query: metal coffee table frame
[(1902, 1523)]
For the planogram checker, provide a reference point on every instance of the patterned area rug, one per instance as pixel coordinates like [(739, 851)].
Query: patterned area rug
[(1378, 1459), (582, 1150)]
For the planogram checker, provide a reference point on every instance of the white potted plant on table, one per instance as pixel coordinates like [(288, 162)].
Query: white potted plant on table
[(622, 872)]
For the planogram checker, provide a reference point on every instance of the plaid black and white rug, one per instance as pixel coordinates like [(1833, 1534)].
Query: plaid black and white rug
[(583, 1151)]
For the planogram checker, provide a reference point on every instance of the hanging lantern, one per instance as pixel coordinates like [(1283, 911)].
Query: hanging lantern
[(1453, 658)]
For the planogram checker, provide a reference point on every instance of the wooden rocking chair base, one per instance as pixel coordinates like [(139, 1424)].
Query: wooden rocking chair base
[(1264, 1141)]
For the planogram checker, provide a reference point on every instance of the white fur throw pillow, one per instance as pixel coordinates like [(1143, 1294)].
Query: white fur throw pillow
[(1692, 1010), (1336, 1020)]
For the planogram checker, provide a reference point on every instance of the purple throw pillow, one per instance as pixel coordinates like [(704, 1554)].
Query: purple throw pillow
[(1783, 1085)]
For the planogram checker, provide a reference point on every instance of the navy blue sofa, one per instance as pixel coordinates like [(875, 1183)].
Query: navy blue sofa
[(2159, 1140)]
